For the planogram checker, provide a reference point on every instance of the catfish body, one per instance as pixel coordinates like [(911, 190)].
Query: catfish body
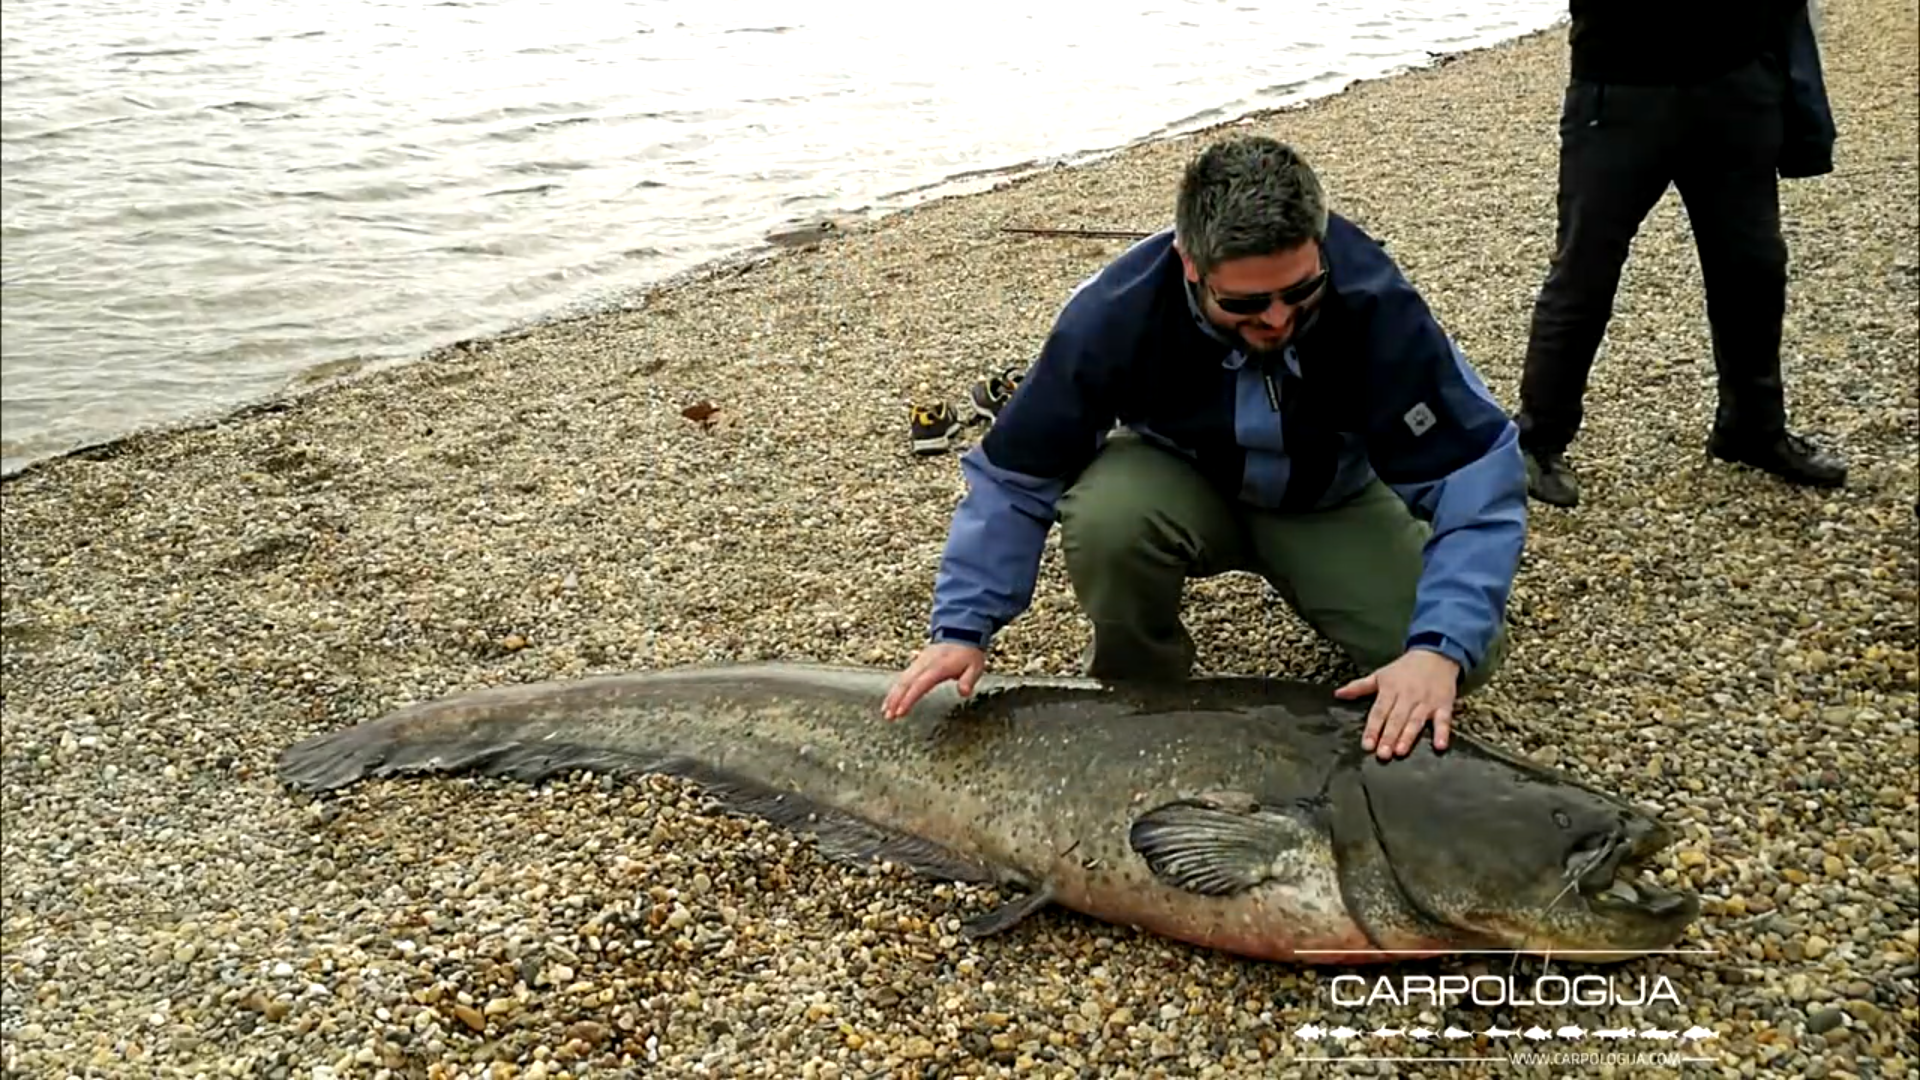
[(1231, 813)]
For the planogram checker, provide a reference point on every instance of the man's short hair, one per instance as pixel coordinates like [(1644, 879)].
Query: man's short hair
[(1247, 196)]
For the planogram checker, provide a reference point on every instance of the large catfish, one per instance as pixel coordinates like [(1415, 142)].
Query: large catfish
[(1233, 813)]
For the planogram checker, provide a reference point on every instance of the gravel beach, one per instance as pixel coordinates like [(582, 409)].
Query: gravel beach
[(180, 606)]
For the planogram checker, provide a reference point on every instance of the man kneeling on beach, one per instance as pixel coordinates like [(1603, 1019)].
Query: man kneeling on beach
[(1257, 389)]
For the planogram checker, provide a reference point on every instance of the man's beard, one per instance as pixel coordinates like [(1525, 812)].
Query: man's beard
[(1273, 345), (1267, 346), (1301, 324)]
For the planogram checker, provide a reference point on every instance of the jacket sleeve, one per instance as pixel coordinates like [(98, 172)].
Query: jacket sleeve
[(1044, 436), (1442, 443)]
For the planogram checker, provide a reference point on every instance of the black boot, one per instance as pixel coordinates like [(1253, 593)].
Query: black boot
[(1550, 479), (1788, 456)]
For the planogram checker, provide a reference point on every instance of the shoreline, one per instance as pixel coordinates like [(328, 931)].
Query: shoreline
[(1738, 656), (302, 384)]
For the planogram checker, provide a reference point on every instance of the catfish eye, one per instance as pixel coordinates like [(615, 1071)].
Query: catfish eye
[(1561, 819)]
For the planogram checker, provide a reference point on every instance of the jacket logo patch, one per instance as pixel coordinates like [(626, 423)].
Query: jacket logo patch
[(1419, 419)]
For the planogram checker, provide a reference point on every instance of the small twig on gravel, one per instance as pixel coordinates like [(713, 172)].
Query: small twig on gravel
[(1091, 234)]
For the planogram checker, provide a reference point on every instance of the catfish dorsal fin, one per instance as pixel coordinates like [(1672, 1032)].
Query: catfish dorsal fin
[(1222, 843)]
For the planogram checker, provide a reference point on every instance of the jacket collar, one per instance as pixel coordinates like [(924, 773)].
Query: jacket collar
[(1236, 358)]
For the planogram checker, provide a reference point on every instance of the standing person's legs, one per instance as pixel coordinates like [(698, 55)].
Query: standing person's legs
[(1134, 527), (1727, 179), (1353, 573), (1616, 145)]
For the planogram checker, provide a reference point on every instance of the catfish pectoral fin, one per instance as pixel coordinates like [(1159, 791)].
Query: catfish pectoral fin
[(1224, 843), (1007, 915)]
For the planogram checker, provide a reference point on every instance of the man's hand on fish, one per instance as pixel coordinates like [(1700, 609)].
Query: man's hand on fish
[(1418, 687), (936, 664)]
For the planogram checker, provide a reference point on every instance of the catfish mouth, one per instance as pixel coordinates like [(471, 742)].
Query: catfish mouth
[(1614, 879)]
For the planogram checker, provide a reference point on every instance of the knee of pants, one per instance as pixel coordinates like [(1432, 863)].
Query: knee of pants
[(1586, 270), (1771, 256), (1112, 535), (1761, 263), (1769, 266)]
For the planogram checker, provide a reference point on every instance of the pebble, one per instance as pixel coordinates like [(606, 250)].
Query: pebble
[(1824, 1020), (175, 611)]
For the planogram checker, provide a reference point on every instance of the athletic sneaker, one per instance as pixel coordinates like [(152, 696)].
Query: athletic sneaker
[(992, 393), (933, 427)]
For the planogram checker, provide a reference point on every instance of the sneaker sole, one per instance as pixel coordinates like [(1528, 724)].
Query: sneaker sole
[(936, 444)]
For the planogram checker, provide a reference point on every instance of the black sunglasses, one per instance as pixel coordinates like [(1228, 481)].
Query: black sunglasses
[(1293, 296)]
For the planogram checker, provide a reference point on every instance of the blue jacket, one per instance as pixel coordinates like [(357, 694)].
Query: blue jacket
[(1371, 386)]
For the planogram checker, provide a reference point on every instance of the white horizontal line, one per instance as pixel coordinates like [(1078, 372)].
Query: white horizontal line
[(1506, 1057), (1548, 954), (1352, 1057)]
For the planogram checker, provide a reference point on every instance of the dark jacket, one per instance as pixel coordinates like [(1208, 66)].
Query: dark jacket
[(1701, 40), (1807, 149)]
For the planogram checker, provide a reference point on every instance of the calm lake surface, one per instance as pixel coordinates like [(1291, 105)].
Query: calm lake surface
[(204, 199)]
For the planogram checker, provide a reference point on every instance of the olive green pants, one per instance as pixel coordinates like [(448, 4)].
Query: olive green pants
[(1140, 521)]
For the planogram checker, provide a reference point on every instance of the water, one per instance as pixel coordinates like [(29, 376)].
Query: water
[(204, 199)]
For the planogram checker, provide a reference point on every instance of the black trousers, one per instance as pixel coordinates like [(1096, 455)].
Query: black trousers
[(1620, 146)]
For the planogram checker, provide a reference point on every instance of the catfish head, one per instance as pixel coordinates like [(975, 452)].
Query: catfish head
[(1481, 845)]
